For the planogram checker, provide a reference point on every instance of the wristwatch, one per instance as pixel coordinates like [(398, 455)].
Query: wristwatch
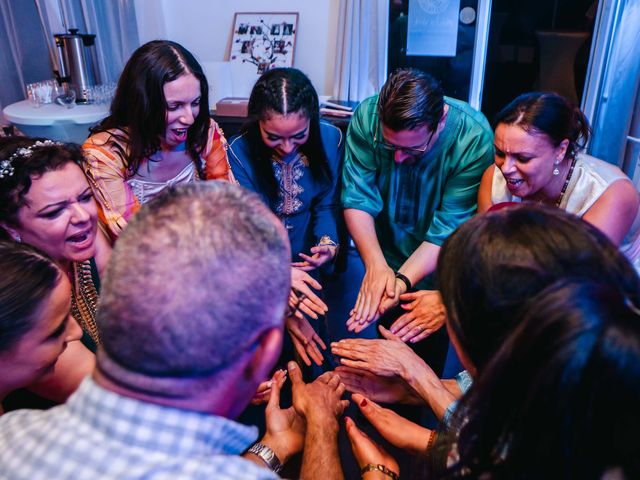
[(267, 455)]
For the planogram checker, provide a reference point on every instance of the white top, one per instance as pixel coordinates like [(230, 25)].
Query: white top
[(25, 113), (146, 190), (590, 178)]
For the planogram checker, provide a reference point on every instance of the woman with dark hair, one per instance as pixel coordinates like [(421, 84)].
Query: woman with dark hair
[(559, 398), (46, 202), (539, 138), (487, 271), (35, 324), (292, 160), (158, 134)]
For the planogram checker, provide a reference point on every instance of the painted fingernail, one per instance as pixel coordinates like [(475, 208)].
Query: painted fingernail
[(363, 402)]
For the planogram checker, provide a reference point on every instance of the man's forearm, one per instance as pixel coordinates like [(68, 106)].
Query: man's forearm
[(362, 228), (320, 458), (281, 451), (421, 263)]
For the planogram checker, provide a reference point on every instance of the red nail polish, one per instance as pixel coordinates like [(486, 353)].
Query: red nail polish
[(363, 403)]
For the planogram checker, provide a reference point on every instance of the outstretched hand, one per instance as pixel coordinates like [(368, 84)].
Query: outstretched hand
[(389, 357), (320, 255), (305, 340), (377, 282), (366, 451), (309, 303), (425, 314), (264, 389), (285, 428), (396, 429), (378, 388)]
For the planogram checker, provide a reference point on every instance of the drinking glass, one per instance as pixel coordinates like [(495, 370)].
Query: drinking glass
[(67, 99)]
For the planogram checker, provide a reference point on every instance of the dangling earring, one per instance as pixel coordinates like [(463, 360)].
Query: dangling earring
[(556, 171)]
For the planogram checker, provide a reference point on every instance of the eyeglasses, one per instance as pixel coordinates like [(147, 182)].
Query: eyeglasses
[(414, 152)]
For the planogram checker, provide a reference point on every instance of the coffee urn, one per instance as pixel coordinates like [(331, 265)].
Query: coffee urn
[(75, 58)]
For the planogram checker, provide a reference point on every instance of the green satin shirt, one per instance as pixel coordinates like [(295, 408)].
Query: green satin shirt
[(424, 201)]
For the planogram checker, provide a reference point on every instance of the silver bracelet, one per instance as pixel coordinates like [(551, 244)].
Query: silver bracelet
[(267, 455)]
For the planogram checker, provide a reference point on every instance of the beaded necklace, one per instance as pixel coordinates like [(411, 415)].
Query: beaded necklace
[(566, 182)]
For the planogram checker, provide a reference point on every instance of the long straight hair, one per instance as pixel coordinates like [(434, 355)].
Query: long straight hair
[(284, 91)]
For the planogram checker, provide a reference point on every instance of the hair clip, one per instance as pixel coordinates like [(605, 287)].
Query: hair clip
[(6, 169)]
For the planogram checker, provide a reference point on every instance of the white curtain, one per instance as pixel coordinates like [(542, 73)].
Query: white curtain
[(23, 53), (10, 72), (113, 22), (361, 49)]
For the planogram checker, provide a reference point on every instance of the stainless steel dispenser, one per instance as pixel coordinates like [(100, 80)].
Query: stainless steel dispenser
[(75, 59)]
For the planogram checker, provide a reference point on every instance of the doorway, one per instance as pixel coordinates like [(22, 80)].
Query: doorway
[(532, 45), (537, 45)]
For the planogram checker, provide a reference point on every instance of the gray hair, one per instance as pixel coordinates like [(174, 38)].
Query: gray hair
[(199, 273)]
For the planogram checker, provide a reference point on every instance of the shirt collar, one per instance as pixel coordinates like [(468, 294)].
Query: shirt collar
[(158, 427)]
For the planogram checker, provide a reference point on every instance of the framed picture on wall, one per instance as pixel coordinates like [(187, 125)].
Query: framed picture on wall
[(266, 40)]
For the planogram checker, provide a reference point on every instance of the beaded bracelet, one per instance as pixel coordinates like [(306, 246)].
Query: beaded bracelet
[(373, 467)]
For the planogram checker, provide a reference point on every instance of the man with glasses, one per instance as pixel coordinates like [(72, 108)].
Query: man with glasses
[(412, 169)]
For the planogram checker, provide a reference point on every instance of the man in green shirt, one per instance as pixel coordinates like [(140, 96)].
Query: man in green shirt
[(412, 169)]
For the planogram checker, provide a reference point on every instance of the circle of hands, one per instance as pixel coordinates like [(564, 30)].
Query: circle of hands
[(372, 370)]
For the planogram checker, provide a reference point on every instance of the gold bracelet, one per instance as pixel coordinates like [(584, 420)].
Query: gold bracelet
[(373, 467)]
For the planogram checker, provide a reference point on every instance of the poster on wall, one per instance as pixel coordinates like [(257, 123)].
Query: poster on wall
[(432, 28), (266, 40)]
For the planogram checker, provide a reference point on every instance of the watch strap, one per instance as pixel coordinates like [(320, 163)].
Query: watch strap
[(267, 455)]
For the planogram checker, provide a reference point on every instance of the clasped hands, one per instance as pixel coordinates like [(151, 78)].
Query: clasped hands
[(381, 291)]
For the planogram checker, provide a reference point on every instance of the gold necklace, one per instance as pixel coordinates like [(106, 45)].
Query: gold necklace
[(84, 301)]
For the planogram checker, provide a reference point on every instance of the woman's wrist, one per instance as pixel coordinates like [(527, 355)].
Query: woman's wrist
[(377, 471)]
